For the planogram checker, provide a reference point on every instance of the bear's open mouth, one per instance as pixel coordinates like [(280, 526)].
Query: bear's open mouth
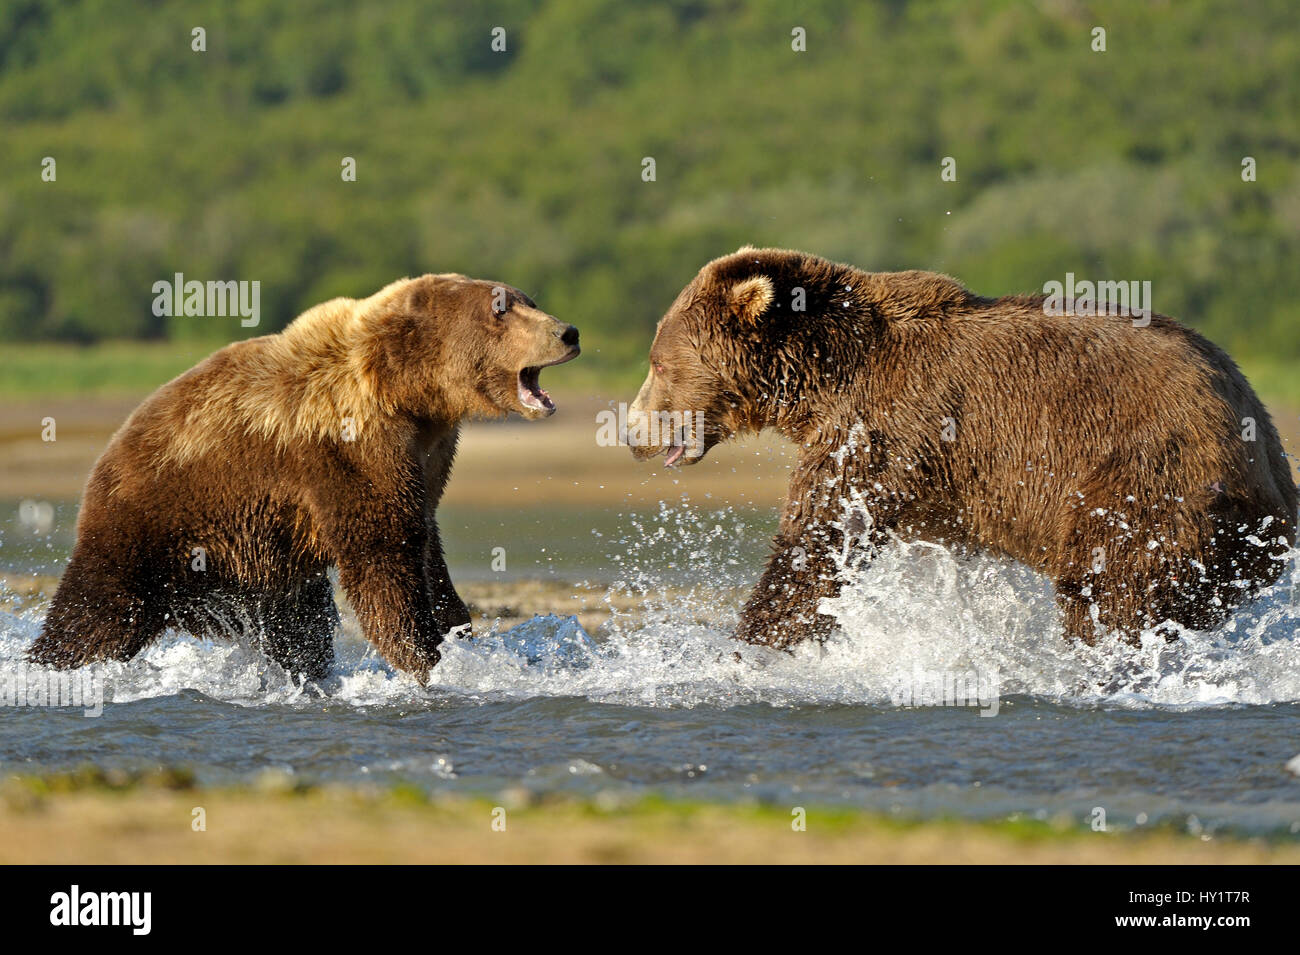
[(531, 393), (674, 455)]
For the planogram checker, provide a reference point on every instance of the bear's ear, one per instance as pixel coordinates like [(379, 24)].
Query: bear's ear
[(750, 297)]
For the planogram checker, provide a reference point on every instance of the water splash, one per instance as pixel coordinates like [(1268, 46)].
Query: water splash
[(919, 606), (916, 608)]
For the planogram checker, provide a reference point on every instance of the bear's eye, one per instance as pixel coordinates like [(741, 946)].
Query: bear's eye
[(659, 368)]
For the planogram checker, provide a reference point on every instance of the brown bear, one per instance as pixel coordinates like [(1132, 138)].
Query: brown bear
[(221, 502), (1129, 462)]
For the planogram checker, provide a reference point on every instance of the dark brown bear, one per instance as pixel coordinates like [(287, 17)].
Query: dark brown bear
[(220, 503), (1116, 459)]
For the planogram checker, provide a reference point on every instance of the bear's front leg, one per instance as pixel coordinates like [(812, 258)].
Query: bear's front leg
[(782, 610), (391, 599), (448, 609), (378, 547), (816, 529)]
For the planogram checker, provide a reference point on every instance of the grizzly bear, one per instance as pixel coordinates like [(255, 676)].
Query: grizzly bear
[(221, 502), (1129, 462)]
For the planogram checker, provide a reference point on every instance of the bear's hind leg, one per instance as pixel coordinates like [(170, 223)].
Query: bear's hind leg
[(96, 615), (1124, 600), (297, 629), (1076, 610)]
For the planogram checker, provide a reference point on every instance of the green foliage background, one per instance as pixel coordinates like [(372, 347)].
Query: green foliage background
[(526, 166)]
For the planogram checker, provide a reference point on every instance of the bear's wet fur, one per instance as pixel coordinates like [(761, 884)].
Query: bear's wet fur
[(219, 505), (1111, 456)]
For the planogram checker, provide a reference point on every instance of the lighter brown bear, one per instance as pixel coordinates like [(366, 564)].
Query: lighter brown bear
[(1131, 463), (221, 502)]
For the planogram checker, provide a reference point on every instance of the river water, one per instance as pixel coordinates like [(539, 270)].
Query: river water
[(949, 690)]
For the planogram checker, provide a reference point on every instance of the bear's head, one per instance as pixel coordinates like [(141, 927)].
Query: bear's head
[(711, 359), (449, 346)]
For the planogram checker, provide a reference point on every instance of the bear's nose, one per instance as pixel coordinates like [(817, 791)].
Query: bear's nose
[(570, 336)]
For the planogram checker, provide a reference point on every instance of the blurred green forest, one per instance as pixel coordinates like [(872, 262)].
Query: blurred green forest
[(525, 165)]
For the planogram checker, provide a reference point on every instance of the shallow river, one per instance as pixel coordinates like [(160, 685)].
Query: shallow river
[(948, 691)]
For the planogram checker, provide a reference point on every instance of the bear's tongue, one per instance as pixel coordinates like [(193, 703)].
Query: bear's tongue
[(531, 394), (674, 455)]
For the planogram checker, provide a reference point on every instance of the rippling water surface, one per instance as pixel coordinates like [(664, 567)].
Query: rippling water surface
[(1198, 732)]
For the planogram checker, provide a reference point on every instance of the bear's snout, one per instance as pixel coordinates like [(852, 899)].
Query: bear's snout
[(554, 344), (641, 452)]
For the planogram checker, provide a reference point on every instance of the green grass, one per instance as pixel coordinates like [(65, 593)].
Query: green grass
[(27, 792), (1276, 380), (526, 166), (40, 370), (125, 369)]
